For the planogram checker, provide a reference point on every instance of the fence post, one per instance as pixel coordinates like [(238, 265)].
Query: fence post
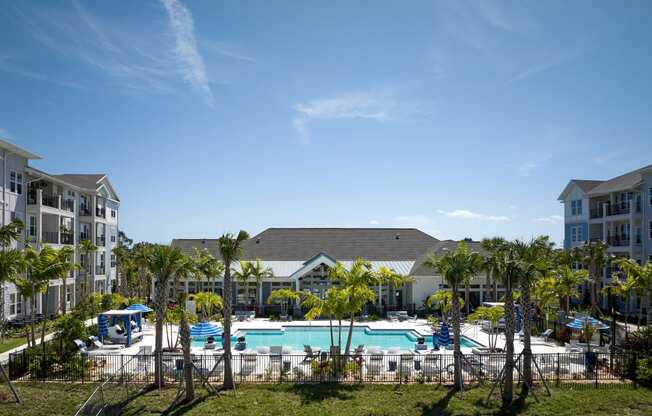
[(122, 366), (635, 370), (597, 362), (558, 370), (83, 361), (241, 367)]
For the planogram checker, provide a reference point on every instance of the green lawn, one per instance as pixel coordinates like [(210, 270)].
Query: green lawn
[(11, 343), (317, 400)]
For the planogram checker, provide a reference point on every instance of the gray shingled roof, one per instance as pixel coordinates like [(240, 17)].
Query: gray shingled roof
[(87, 181), (439, 249), (622, 182), (584, 184), (339, 243)]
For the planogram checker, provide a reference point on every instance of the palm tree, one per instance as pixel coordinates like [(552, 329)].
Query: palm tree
[(184, 333), (10, 262), (624, 289), (65, 264), (87, 247), (207, 267), (163, 262), (442, 301), (207, 302), (231, 249), (594, 257), (283, 296), (492, 315), (141, 256), (492, 245), (506, 268), (535, 257), (567, 284), (640, 278), (186, 270), (258, 272), (456, 268)]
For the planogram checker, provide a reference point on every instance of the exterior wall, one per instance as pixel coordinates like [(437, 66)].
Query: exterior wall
[(571, 220), (646, 208)]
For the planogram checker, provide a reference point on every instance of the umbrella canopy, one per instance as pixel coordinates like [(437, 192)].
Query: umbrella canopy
[(579, 322), (517, 319), (435, 338), (140, 308), (204, 329), (444, 336)]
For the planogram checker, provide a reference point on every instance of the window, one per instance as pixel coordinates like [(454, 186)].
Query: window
[(112, 260), (15, 305), (71, 193), (113, 213), (12, 216), (576, 233), (32, 226), (650, 229), (113, 238), (576, 207), (68, 294), (16, 182), (649, 191)]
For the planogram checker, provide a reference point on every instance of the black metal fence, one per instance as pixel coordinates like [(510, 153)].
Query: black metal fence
[(555, 369)]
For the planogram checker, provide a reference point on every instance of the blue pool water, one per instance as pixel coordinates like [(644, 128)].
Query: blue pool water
[(296, 337)]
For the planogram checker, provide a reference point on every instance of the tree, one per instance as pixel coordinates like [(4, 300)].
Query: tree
[(87, 248), (184, 330), (456, 268), (594, 257), (207, 303), (334, 305), (163, 262), (492, 245), (11, 262), (492, 315), (141, 256), (231, 249), (186, 270), (65, 265), (506, 269), (283, 296), (639, 278), (567, 284), (207, 267), (625, 289), (442, 301), (256, 271)]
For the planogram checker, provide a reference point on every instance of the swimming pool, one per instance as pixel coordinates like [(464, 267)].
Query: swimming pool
[(296, 337)]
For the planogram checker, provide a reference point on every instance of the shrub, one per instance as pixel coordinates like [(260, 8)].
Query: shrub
[(70, 328)]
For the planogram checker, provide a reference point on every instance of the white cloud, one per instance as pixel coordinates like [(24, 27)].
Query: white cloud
[(373, 222), (378, 106), (470, 215), (182, 25), (552, 219)]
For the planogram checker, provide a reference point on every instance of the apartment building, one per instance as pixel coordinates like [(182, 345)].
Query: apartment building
[(617, 211), (60, 210)]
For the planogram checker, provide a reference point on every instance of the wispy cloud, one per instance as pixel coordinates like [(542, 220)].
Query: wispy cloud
[(464, 214), (227, 51), (377, 106), (552, 219), (193, 69), (374, 222)]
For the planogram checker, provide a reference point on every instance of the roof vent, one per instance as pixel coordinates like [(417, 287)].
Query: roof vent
[(258, 241), (468, 239), (203, 241), (397, 236)]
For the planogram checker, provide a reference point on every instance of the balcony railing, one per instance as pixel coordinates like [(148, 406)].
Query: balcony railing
[(84, 236), (50, 200), (31, 198), (100, 270), (67, 238), (100, 212), (618, 240), (84, 211), (100, 241), (51, 237), (596, 213), (68, 205)]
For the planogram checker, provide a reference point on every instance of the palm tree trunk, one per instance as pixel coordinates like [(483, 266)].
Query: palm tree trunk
[(508, 386), (64, 288), (33, 316), (467, 298), (339, 335), (45, 317), (184, 330), (161, 304), (348, 338), (640, 310), (330, 323), (487, 285), (527, 349), (457, 357), (228, 373)]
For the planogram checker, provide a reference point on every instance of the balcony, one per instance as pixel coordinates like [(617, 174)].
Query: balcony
[(84, 236), (67, 238), (596, 213), (84, 211), (100, 269), (68, 205), (51, 237), (100, 212), (618, 240), (50, 200), (100, 241)]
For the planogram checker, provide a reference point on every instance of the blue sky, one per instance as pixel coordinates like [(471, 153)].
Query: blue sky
[(464, 119)]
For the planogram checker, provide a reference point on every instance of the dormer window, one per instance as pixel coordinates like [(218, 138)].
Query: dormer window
[(576, 207)]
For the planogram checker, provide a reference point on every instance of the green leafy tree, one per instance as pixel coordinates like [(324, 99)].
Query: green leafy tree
[(88, 249), (456, 268), (207, 267), (492, 315), (442, 301), (594, 257), (283, 297), (208, 304), (12, 263), (231, 249)]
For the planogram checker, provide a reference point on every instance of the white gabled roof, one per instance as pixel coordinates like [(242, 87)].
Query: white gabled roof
[(296, 269)]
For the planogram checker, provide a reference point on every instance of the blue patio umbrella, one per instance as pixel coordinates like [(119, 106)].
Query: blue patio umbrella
[(435, 344), (204, 329), (518, 320), (140, 308), (444, 336), (579, 322)]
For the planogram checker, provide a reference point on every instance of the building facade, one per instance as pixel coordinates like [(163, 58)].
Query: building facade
[(617, 211), (60, 210), (300, 259)]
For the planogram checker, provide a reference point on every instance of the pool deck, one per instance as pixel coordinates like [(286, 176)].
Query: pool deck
[(420, 326)]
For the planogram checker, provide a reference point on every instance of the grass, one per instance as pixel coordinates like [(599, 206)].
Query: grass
[(10, 343), (251, 400)]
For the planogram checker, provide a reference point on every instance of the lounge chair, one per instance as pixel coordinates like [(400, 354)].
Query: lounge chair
[(420, 345), (311, 353), (406, 364), (546, 334), (359, 350), (375, 364), (430, 366), (248, 363)]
